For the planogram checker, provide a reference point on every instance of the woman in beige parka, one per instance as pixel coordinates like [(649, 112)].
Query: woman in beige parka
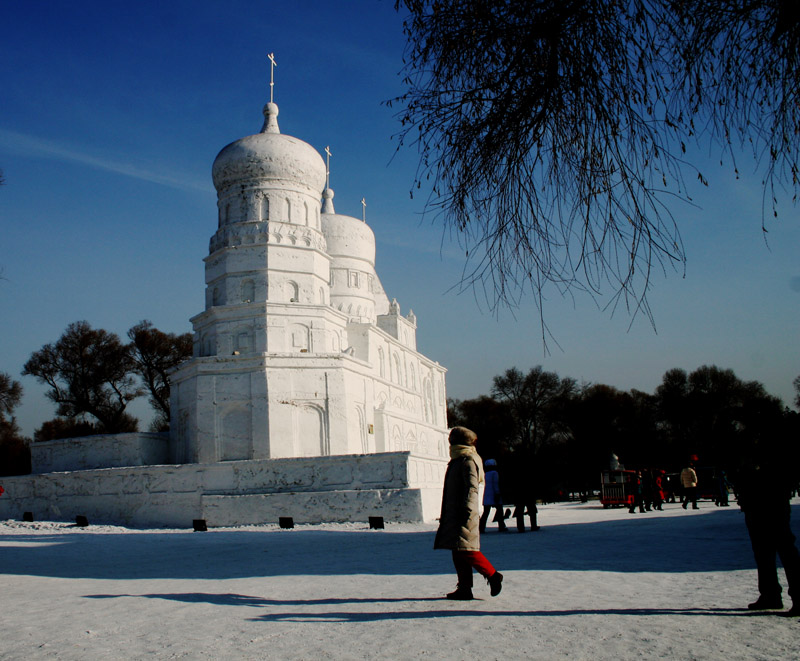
[(460, 517)]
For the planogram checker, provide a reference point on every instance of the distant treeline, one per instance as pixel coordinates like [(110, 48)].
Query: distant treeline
[(92, 376), (553, 436)]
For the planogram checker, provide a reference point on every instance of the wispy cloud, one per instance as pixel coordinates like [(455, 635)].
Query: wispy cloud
[(32, 145)]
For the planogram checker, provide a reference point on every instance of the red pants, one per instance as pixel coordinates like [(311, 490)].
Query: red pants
[(466, 561)]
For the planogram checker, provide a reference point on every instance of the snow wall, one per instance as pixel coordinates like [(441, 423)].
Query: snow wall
[(398, 486)]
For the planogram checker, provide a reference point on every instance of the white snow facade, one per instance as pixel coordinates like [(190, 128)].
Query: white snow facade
[(299, 352), (306, 395)]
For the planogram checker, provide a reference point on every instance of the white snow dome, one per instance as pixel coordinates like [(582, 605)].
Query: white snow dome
[(346, 236), (356, 289), (269, 156)]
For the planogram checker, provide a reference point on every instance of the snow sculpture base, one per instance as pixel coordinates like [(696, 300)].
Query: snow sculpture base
[(101, 451), (398, 486)]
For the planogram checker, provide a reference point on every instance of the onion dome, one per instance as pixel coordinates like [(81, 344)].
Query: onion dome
[(269, 156), (356, 288), (346, 236)]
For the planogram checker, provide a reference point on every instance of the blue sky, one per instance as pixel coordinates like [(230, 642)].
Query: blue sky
[(112, 114)]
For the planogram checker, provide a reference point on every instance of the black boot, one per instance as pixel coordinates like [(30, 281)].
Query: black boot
[(461, 594), (495, 583), (766, 604)]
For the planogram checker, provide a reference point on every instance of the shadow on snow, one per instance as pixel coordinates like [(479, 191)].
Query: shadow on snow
[(713, 541), (458, 610)]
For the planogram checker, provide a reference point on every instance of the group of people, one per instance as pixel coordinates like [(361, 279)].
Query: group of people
[(524, 503), (761, 490), (651, 490)]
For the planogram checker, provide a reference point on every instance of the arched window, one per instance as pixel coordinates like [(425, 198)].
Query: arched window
[(235, 434), (288, 211), (248, 291), (243, 341), (310, 431), (300, 338), (398, 373), (293, 292), (430, 409), (264, 211)]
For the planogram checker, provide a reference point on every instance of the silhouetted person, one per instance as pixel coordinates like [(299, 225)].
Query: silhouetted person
[(524, 493), (636, 489), (722, 488), (764, 490)]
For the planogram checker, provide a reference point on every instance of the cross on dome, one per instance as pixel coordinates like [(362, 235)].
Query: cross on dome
[(328, 167), (273, 64), (271, 108)]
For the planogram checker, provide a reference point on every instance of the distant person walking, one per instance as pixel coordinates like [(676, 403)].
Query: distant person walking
[(722, 487), (689, 483), (459, 520), (764, 489), (524, 493), (659, 495), (492, 498), (636, 492)]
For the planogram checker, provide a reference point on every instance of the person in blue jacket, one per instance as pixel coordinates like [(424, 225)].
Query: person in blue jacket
[(492, 497)]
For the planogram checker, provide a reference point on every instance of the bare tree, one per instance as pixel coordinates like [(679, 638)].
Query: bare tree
[(535, 402), (88, 372), (155, 353), (10, 395), (554, 131)]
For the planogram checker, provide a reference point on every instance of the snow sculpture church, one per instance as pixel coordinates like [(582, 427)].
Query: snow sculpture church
[(306, 395), (298, 352)]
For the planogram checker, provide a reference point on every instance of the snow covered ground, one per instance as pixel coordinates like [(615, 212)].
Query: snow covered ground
[(592, 584)]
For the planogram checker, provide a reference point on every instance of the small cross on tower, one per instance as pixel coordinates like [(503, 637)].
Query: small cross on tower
[(328, 167), (273, 64), (364, 209)]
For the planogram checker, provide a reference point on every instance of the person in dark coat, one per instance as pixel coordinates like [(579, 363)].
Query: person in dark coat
[(636, 489), (459, 520), (524, 493), (764, 490), (722, 488)]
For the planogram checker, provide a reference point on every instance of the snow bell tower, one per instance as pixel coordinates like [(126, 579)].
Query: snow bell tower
[(299, 351)]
